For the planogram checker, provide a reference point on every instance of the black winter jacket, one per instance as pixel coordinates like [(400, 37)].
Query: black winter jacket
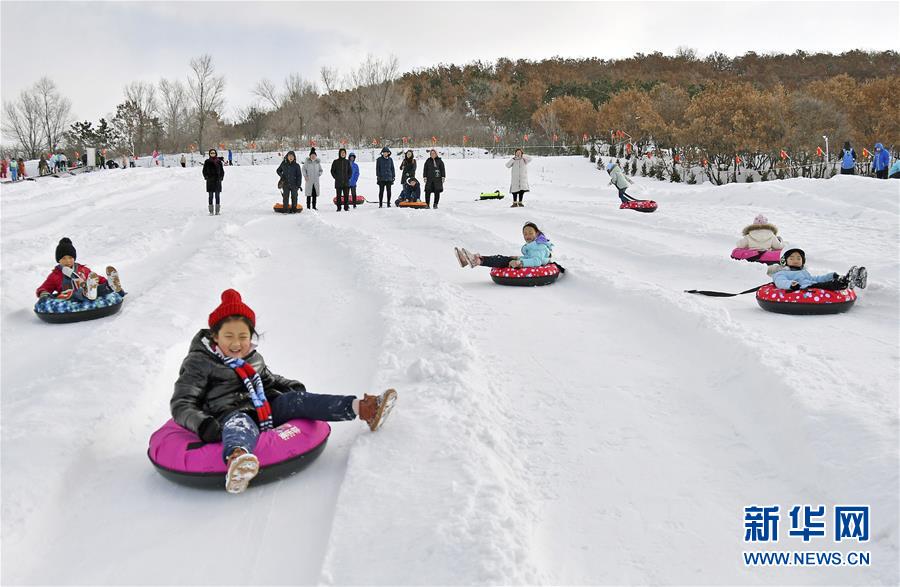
[(341, 170), (408, 167), (433, 174), (213, 173), (291, 173), (208, 388)]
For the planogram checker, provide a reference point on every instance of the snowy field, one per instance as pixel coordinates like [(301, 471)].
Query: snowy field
[(606, 429)]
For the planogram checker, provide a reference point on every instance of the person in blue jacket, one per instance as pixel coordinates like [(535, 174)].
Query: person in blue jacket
[(535, 252), (793, 276), (894, 173), (384, 174), (411, 192), (848, 160), (354, 177), (881, 161)]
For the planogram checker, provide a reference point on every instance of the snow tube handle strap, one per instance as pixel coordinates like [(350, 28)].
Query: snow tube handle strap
[(722, 294)]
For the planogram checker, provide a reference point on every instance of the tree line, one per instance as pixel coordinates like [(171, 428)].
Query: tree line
[(711, 108)]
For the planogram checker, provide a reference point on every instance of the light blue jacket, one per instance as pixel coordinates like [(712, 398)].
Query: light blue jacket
[(537, 252), (895, 168), (784, 278)]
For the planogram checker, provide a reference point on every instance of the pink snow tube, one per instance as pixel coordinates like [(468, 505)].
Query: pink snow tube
[(767, 257), (181, 456), (639, 205)]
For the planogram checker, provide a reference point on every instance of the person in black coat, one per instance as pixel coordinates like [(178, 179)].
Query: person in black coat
[(213, 173), (291, 178), (433, 174), (341, 170), (407, 166), (384, 173)]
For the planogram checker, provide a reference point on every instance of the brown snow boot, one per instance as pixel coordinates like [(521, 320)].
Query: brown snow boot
[(374, 409)]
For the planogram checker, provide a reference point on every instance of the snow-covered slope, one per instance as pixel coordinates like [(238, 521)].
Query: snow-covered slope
[(606, 429)]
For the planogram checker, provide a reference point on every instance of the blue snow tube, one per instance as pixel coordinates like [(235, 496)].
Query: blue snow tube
[(57, 311)]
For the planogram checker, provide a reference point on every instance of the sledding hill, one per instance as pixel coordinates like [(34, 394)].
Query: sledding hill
[(605, 429)]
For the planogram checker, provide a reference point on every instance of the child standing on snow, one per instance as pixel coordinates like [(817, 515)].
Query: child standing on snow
[(793, 276), (535, 252), (71, 280), (225, 392), (354, 176), (618, 179)]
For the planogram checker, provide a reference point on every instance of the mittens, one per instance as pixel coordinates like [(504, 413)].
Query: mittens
[(210, 430)]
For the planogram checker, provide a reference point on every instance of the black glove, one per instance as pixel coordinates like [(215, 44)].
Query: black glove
[(210, 430), (795, 287), (835, 276)]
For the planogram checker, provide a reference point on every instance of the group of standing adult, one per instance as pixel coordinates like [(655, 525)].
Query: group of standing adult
[(345, 172)]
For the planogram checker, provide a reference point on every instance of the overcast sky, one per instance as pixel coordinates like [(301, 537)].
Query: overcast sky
[(92, 49)]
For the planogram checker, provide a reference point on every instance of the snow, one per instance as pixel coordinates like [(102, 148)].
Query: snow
[(608, 428)]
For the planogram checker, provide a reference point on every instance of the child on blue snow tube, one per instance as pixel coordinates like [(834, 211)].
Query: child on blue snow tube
[(535, 252), (793, 276), (76, 282)]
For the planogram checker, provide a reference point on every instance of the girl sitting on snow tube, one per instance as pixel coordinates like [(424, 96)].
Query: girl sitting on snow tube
[(226, 393), (532, 268), (760, 242), (793, 276)]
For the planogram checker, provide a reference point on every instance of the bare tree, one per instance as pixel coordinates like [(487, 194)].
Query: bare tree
[(142, 96), (54, 111), (22, 120), (266, 91), (374, 84), (206, 92), (174, 110), (301, 100)]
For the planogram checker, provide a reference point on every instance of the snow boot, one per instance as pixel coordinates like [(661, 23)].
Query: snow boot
[(471, 259), (210, 209), (241, 470), (463, 262), (90, 286), (217, 209), (374, 409), (857, 277), (112, 276)]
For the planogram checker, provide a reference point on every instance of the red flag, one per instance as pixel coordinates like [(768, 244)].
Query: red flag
[(677, 158), (405, 140), (374, 141), (496, 139), (555, 138), (865, 152), (584, 136), (433, 140), (465, 139), (705, 163), (628, 147), (526, 138), (784, 154), (737, 160), (343, 141), (649, 154), (312, 143), (819, 151)]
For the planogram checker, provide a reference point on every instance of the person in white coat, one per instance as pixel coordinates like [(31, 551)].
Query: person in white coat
[(761, 236), (312, 169), (519, 181), (618, 179)]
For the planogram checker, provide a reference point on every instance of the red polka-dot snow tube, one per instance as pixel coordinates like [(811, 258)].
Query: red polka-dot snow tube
[(639, 205), (349, 199), (767, 257), (526, 276), (179, 454), (804, 301)]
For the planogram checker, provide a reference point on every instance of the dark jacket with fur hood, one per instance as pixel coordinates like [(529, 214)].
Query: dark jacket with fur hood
[(207, 387)]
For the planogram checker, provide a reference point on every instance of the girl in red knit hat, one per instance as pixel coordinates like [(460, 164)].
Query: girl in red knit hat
[(226, 393)]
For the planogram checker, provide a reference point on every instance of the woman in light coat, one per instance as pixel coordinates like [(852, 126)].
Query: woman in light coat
[(519, 182), (312, 169)]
